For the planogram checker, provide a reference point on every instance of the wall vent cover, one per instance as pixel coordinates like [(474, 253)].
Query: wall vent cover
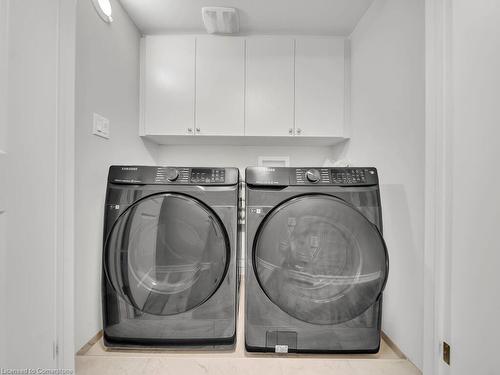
[(220, 20)]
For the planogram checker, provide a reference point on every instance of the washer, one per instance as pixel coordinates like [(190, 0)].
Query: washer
[(316, 262), (169, 258)]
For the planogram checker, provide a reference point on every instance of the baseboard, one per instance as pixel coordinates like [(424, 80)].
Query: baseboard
[(85, 348), (393, 346)]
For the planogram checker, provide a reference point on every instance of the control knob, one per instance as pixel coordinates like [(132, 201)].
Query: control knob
[(172, 174), (313, 175)]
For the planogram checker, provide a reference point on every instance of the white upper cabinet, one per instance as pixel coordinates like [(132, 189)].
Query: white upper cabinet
[(220, 85), (242, 90), (269, 86), (168, 85), (319, 86)]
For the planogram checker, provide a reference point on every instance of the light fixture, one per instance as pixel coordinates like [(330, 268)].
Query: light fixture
[(219, 20), (103, 8)]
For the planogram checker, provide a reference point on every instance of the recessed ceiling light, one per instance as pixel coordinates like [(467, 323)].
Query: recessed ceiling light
[(103, 8)]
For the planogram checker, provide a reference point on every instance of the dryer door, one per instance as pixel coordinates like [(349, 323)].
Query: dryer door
[(166, 254), (319, 259)]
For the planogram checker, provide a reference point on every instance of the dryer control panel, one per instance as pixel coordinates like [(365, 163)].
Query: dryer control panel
[(349, 176), (146, 175), (278, 176)]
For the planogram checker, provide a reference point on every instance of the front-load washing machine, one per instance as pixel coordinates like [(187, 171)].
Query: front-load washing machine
[(169, 259), (316, 262)]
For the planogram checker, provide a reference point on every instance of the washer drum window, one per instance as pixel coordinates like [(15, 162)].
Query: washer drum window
[(167, 254), (320, 260)]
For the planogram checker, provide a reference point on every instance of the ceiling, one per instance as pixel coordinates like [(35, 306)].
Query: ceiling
[(321, 17)]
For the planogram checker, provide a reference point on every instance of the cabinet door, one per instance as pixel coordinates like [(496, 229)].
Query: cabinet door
[(269, 86), (220, 81), (168, 85), (319, 86)]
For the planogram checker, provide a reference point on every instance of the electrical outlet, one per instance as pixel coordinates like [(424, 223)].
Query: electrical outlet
[(100, 126)]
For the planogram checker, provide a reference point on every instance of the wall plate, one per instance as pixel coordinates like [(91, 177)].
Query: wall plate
[(274, 161), (100, 126)]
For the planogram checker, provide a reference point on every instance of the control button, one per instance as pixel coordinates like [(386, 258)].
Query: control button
[(313, 175), (172, 174)]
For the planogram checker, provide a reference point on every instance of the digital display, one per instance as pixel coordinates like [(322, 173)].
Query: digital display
[(207, 175), (201, 171)]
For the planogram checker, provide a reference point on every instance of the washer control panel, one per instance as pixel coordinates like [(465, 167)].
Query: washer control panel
[(338, 176), (208, 175)]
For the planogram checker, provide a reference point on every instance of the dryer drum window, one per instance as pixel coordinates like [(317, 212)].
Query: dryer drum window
[(166, 254), (319, 259)]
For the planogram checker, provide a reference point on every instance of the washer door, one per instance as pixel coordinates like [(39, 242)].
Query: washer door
[(166, 254), (319, 259)]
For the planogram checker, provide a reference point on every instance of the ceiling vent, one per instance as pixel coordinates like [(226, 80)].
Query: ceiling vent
[(219, 20)]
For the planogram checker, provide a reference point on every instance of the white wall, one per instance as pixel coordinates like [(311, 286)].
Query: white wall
[(3, 165), (246, 156), (30, 189), (387, 118), (474, 215), (4, 9), (107, 82)]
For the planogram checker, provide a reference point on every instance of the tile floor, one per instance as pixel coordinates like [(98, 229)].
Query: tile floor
[(95, 359)]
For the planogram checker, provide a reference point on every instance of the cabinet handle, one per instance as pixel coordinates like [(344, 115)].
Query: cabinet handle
[(190, 130), (290, 131), (197, 130), (299, 131)]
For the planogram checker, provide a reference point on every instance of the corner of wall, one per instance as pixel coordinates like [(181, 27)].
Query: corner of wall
[(108, 83), (388, 131)]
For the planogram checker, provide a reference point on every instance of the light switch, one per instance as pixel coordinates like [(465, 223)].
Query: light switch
[(101, 126)]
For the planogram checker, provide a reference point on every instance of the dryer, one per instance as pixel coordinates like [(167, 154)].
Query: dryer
[(316, 261), (169, 258)]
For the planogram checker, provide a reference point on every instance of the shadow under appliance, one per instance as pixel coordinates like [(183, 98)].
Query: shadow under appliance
[(316, 262), (169, 258)]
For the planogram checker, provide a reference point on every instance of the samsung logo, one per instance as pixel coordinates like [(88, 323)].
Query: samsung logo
[(129, 168)]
